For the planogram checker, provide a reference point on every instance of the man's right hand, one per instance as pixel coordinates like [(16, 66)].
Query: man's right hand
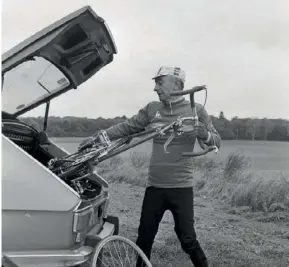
[(86, 143), (100, 138)]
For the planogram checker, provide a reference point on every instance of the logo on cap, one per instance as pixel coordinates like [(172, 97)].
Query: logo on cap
[(177, 71)]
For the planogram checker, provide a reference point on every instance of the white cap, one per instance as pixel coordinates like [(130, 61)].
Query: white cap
[(172, 71)]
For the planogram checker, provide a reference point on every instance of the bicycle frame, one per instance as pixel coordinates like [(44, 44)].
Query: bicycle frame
[(109, 149)]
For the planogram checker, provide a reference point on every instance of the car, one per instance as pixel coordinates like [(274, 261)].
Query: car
[(47, 220)]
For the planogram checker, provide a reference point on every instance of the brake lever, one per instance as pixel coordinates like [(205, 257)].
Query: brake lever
[(176, 126), (169, 140), (177, 130)]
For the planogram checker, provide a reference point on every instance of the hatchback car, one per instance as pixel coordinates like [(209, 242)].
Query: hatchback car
[(47, 220)]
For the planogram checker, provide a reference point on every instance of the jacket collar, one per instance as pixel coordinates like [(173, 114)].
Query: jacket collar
[(174, 103)]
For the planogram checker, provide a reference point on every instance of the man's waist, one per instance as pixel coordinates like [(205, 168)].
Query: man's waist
[(169, 175), (170, 171)]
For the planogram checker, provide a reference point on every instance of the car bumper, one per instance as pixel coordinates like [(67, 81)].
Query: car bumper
[(92, 238), (63, 257)]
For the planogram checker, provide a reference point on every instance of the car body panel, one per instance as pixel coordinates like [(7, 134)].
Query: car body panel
[(58, 258), (29, 175)]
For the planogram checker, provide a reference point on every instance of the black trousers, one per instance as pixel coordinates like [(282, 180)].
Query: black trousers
[(180, 201)]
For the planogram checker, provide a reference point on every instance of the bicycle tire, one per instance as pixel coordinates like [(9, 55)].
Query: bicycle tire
[(105, 241)]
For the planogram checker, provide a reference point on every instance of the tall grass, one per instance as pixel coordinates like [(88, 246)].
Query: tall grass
[(231, 182)]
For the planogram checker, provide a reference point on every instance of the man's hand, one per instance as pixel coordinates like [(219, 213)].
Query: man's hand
[(201, 131), (99, 138), (86, 143)]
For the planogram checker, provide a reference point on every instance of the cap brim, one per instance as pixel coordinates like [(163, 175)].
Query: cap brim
[(158, 77)]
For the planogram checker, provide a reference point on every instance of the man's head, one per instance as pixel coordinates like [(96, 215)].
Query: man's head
[(168, 79)]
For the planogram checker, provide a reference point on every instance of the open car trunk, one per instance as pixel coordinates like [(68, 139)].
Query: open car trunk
[(40, 210), (60, 57)]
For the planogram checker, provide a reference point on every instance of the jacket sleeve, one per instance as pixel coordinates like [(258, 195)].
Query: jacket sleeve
[(135, 124), (214, 138)]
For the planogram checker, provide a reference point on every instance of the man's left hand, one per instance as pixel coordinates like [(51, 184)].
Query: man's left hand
[(201, 131)]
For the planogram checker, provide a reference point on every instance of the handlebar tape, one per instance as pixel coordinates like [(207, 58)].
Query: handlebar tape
[(189, 91), (194, 154)]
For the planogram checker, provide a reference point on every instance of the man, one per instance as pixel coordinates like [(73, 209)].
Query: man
[(170, 179)]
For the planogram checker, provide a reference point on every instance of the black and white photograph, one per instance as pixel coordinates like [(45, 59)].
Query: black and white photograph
[(141, 133)]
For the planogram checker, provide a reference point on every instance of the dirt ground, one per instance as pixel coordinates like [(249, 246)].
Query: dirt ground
[(231, 237)]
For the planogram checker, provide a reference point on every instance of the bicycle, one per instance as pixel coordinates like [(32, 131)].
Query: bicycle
[(82, 162)]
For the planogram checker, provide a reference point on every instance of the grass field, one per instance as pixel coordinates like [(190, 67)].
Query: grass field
[(264, 156), (241, 203)]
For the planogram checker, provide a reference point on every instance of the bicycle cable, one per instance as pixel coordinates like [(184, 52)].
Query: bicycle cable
[(205, 98)]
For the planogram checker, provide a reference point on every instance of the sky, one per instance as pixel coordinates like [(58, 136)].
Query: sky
[(239, 49)]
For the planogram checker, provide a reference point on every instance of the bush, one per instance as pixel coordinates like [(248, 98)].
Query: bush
[(261, 193), (235, 164)]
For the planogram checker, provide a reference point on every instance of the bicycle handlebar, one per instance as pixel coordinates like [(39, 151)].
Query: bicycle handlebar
[(189, 91), (201, 153)]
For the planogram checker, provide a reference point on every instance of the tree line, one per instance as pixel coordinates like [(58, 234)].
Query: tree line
[(233, 129)]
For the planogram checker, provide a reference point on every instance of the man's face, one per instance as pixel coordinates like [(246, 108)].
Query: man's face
[(164, 86)]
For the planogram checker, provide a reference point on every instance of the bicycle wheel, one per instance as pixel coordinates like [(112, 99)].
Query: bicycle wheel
[(118, 251)]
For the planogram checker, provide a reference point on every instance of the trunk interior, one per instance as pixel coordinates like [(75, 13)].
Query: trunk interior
[(43, 150)]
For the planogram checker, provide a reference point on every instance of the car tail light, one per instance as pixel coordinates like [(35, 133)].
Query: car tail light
[(87, 218), (81, 222)]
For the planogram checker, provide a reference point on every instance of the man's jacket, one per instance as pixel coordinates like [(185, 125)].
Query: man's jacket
[(167, 170)]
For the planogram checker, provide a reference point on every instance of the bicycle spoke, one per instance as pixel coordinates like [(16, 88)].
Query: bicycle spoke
[(113, 258), (134, 257), (127, 256), (119, 249), (117, 253), (104, 264)]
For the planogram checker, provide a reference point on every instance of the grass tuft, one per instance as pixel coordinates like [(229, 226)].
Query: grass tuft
[(235, 165)]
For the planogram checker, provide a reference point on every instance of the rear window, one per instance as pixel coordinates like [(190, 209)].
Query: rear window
[(30, 82)]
